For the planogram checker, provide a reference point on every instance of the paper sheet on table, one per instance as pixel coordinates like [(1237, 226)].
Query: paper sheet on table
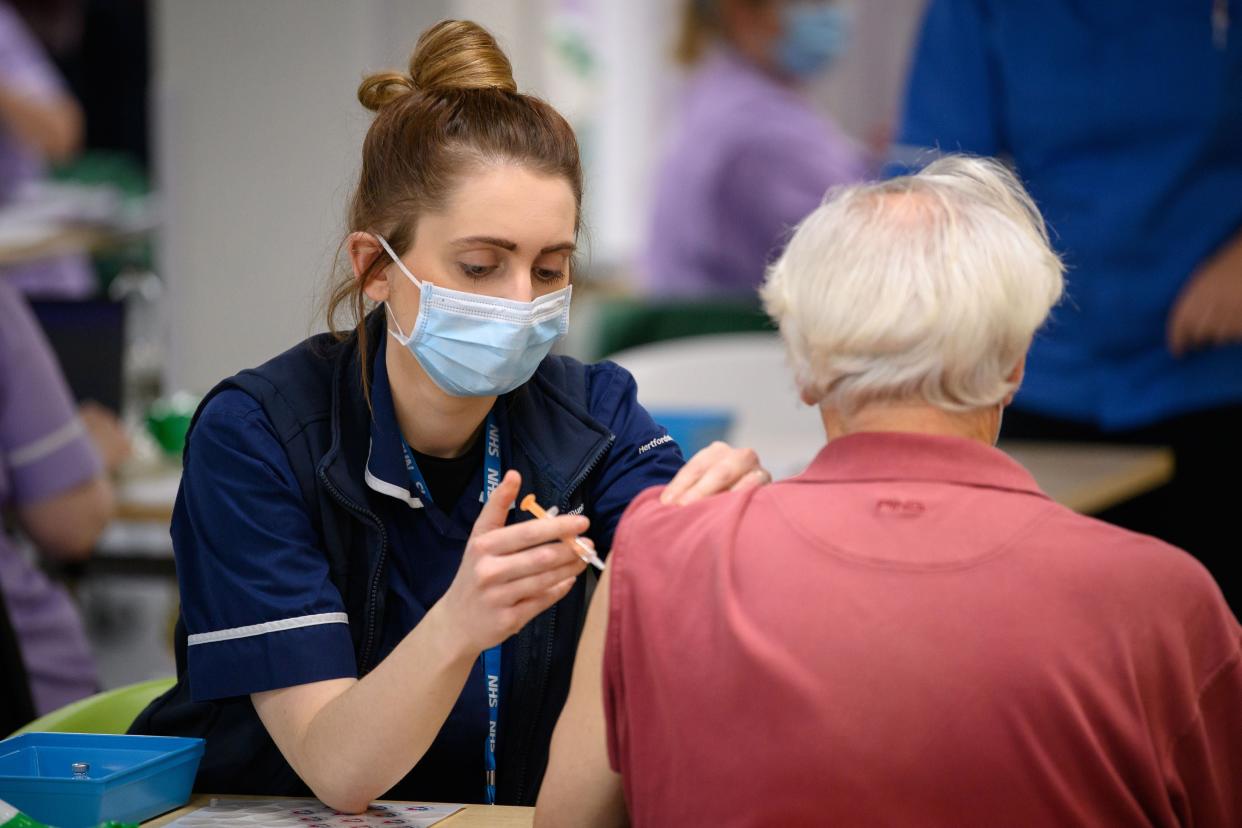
[(243, 813)]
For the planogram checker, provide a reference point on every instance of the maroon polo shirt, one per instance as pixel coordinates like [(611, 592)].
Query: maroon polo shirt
[(911, 633)]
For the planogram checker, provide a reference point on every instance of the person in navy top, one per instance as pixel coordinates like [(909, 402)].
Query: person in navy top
[(1125, 122), (363, 610)]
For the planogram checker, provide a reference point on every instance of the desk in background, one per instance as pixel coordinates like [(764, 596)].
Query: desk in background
[(1087, 478), (1090, 477), (56, 242)]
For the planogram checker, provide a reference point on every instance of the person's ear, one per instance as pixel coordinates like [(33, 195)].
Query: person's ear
[(1015, 377), (363, 250)]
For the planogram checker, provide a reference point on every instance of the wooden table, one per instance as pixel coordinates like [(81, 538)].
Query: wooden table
[(66, 240), (148, 496), (473, 816), (1090, 478)]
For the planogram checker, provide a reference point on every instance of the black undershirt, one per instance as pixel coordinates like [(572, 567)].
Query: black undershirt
[(448, 477)]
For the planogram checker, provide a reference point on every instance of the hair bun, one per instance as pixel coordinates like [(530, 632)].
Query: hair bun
[(459, 54), (382, 88)]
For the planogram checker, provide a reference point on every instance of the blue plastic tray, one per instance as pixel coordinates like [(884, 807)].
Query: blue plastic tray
[(131, 778), (694, 428)]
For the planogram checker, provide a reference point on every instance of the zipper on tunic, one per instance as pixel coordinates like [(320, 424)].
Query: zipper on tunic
[(368, 641)]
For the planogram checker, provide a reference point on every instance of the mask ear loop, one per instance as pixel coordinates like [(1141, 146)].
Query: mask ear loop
[(397, 259), (400, 334)]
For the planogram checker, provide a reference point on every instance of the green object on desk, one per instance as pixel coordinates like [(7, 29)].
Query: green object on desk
[(168, 420), (111, 711), (10, 817), (629, 322)]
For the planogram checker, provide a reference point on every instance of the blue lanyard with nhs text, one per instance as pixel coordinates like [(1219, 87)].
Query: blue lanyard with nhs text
[(491, 657)]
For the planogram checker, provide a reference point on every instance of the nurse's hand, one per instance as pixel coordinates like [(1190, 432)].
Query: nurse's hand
[(509, 574), (1209, 310), (717, 468)]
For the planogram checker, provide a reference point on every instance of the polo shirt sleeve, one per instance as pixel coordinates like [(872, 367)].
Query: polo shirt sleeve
[(621, 613), (953, 93), (642, 455), (1205, 755), (44, 449), (258, 605)]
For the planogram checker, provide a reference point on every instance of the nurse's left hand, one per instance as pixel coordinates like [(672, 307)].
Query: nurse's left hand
[(1209, 310), (718, 468)]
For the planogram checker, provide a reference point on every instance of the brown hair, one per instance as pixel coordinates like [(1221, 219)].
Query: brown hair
[(700, 25), (456, 109)]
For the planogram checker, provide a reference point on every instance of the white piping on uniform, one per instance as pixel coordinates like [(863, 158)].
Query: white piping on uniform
[(268, 627), (386, 488), (45, 445)]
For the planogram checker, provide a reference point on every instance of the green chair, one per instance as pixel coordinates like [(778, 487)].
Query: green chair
[(111, 711)]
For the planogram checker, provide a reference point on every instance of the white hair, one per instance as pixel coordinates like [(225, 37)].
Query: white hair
[(926, 287)]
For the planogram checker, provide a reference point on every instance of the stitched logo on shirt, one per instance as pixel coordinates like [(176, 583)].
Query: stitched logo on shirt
[(892, 507)]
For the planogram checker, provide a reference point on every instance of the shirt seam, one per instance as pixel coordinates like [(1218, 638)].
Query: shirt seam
[(1213, 674)]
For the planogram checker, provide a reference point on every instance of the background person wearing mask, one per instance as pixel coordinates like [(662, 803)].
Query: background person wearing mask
[(910, 632), (1125, 121), (751, 156), (52, 479)]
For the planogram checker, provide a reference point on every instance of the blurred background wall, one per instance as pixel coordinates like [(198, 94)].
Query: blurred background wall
[(257, 137)]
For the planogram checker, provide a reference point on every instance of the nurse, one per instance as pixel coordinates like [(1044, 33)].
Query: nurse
[(363, 612), (750, 157)]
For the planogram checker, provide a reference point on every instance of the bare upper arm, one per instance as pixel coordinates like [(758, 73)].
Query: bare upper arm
[(580, 787), (66, 525)]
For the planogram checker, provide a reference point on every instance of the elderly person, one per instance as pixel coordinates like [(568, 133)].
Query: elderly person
[(910, 632)]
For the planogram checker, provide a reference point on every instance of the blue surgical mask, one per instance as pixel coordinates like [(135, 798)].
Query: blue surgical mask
[(480, 346), (815, 35)]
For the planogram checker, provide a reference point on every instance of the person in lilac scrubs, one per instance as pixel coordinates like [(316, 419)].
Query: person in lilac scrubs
[(52, 478), (40, 123), (751, 156)]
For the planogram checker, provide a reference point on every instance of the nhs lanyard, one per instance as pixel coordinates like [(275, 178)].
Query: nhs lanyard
[(491, 656)]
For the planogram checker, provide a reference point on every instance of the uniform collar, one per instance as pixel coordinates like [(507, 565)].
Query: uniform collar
[(555, 438), (385, 470), (875, 456)]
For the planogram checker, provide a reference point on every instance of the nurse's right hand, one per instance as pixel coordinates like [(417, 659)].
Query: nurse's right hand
[(509, 574)]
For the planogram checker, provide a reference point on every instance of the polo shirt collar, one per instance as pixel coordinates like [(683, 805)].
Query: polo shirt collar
[(876, 456)]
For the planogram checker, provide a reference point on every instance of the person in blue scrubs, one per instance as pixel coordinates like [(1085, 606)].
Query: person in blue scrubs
[(1125, 121), (363, 610)]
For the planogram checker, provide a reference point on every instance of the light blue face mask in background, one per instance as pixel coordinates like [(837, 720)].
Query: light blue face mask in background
[(480, 346), (815, 35)]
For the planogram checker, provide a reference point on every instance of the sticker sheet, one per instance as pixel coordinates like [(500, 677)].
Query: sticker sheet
[(305, 813)]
